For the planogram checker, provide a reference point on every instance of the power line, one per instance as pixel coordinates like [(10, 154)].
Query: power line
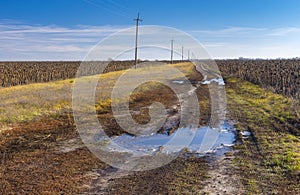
[(113, 7), (106, 6), (119, 5), (136, 36)]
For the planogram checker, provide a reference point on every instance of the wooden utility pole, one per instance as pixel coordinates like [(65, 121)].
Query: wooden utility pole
[(192, 56), (182, 53), (136, 37), (172, 46)]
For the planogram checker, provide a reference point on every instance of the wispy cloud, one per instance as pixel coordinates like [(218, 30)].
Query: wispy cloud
[(284, 31), (228, 32), (37, 42), (234, 42), (19, 41)]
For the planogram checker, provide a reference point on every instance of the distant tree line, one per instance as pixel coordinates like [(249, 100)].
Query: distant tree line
[(281, 76)]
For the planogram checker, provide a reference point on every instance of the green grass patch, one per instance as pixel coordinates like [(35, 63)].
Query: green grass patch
[(272, 154)]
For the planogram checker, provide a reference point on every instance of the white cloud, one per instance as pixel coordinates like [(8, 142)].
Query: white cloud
[(251, 42), (27, 42), (284, 31), (232, 31)]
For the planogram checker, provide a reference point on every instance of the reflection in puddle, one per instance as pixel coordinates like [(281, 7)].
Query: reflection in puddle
[(178, 82), (245, 134), (219, 81), (191, 140)]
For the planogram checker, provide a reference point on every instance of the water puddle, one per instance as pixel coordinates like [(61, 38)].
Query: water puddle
[(219, 81), (178, 82), (203, 141), (246, 134)]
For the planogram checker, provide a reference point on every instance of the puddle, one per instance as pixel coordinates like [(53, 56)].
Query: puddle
[(135, 151), (164, 143), (245, 134), (219, 81), (178, 82)]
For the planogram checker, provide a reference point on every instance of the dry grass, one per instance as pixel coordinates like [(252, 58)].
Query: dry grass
[(40, 120), (29, 102)]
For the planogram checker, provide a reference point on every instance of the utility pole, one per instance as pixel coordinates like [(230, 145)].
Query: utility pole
[(182, 53), (189, 55), (193, 56), (172, 45), (136, 37)]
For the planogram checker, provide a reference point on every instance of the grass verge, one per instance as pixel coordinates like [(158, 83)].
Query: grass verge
[(269, 160)]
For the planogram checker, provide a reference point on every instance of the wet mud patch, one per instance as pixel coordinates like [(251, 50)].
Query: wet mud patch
[(31, 163), (70, 145), (180, 176), (222, 175)]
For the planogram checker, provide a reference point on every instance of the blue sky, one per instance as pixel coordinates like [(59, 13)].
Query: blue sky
[(68, 29)]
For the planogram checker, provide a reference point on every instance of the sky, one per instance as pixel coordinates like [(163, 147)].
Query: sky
[(69, 29)]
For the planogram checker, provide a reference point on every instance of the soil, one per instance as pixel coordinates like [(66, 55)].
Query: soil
[(46, 156), (223, 177)]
